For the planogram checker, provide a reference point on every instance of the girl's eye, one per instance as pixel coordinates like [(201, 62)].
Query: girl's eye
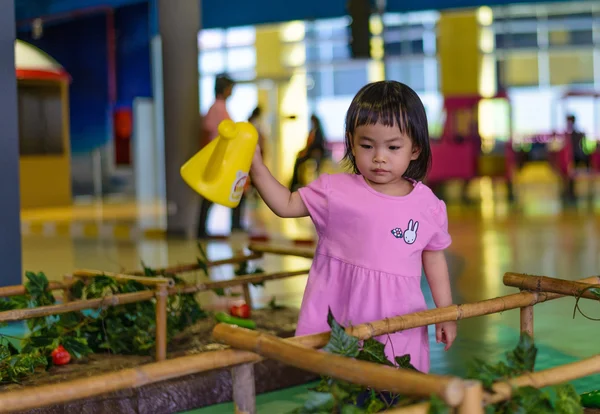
[(393, 148), (365, 146)]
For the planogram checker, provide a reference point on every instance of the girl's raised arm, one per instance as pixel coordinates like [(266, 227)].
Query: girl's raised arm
[(279, 199)]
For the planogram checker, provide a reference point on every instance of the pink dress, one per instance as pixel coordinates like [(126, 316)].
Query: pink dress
[(367, 264)]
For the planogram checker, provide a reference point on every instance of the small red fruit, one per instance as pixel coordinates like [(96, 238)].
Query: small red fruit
[(60, 356), (242, 311)]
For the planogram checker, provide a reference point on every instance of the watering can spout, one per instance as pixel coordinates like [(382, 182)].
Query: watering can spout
[(219, 171)]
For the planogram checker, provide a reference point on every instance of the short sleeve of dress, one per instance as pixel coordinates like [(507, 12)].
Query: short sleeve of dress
[(441, 238), (316, 199)]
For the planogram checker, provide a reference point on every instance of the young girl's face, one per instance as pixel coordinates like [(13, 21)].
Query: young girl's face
[(382, 153)]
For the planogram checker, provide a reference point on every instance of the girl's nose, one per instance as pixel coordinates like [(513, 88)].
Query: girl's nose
[(379, 158)]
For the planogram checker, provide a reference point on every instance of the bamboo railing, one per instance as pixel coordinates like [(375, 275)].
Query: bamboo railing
[(466, 396), (162, 288), (240, 361)]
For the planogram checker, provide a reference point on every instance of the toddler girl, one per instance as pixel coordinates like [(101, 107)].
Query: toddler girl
[(378, 227)]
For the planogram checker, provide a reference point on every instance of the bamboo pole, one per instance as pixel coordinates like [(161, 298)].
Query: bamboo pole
[(247, 296), (527, 320), (125, 298), (16, 290), (67, 283), (111, 300), (545, 378), (308, 253), (472, 402), (236, 281), (191, 267), (420, 408), (161, 322), (386, 378), (39, 396), (549, 284), (449, 313), (44, 395), (244, 393), (144, 280)]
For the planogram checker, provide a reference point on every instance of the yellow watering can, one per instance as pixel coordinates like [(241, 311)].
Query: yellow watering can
[(219, 171)]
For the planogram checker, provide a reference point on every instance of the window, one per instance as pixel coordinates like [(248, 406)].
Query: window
[(347, 81), (40, 119), (212, 62), (241, 58), (408, 71), (571, 67), (519, 69)]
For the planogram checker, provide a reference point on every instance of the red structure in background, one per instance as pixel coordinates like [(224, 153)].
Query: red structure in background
[(123, 129), (456, 152)]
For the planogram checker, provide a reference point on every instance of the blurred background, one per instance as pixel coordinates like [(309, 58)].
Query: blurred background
[(112, 98)]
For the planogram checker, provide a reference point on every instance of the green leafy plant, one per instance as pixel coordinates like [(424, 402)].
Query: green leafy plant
[(47, 333), (340, 397), (131, 328), (14, 366)]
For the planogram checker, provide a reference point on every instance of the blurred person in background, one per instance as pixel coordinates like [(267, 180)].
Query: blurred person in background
[(210, 130), (578, 158), (313, 156)]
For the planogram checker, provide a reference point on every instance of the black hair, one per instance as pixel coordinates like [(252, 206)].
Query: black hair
[(391, 103), (222, 82)]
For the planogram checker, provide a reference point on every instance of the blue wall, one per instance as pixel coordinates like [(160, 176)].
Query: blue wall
[(81, 47)]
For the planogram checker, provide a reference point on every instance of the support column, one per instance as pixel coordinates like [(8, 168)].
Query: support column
[(179, 24), (459, 56), (10, 217)]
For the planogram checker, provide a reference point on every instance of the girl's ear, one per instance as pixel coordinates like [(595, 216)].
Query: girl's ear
[(416, 151)]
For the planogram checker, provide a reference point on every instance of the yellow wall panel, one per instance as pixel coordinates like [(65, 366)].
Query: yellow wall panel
[(458, 51)]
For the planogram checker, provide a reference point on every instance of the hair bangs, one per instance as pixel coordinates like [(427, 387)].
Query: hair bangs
[(371, 109), (392, 104)]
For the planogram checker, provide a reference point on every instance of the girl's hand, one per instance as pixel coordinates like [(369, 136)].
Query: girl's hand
[(445, 332), (257, 158)]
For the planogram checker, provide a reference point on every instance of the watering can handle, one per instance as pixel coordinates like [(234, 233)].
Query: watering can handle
[(227, 131)]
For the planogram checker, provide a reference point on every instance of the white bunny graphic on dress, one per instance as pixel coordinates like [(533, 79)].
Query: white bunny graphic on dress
[(410, 234)]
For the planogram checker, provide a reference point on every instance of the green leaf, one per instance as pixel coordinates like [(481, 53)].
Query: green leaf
[(373, 351), (566, 401), (353, 409), (374, 404), (318, 403), (77, 347), (148, 271), (20, 302), (202, 265), (340, 342), (404, 362), (69, 320), (77, 289), (522, 358), (437, 406), (595, 291), (323, 386), (219, 291), (41, 341), (7, 304), (37, 283)]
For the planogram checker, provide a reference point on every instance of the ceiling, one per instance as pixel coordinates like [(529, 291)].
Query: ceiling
[(214, 14)]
